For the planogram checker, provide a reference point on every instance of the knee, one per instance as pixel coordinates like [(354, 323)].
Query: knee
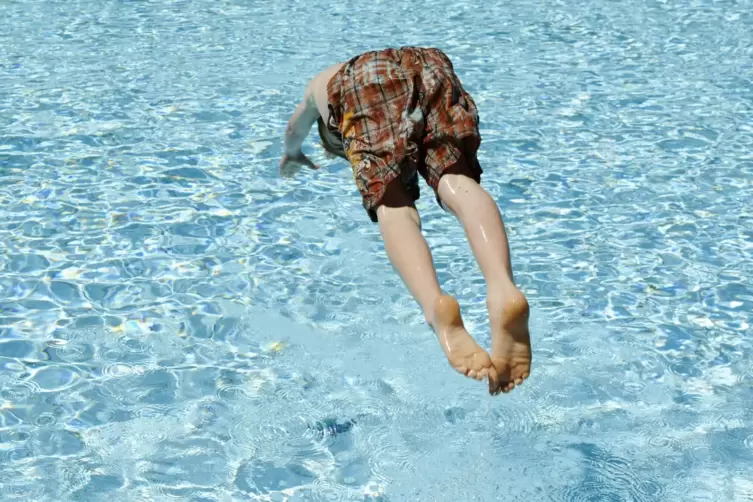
[(456, 190), (389, 215), (457, 181)]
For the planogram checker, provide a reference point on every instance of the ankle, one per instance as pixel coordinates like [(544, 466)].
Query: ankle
[(499, 289), (507, 304), (446, 312)]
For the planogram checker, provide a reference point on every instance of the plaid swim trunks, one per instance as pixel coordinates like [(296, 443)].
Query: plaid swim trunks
[(400, 113)]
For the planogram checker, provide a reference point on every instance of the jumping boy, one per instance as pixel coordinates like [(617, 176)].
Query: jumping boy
[(394, 114)]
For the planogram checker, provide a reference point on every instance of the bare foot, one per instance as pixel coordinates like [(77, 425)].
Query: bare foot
[(511, 342), (461, 349)]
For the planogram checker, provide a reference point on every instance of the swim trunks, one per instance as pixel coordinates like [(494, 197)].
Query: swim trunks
[(400, 113)]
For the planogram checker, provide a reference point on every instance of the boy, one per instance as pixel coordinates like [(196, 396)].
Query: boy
[(394, 114)]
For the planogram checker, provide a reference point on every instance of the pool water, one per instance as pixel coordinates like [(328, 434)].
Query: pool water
[(179, 323)]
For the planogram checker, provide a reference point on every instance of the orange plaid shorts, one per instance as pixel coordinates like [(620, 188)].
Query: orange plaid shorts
[(400, 113)]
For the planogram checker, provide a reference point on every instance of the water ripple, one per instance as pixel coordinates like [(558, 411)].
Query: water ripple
[(193, 317), (17, 485)]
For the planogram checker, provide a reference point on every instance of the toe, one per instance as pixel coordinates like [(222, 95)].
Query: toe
[(493, 384), (499, 387)]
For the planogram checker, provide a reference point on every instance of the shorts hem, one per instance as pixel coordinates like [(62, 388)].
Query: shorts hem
[(372, 201)]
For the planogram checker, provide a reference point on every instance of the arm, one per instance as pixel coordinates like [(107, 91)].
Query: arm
[(300, 124)]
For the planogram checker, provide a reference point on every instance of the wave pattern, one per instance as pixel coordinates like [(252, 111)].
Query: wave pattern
[(177, 321)]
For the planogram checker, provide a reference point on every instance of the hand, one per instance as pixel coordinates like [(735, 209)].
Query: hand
[(291, 164)]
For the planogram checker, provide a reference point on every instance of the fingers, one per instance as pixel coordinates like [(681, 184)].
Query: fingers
[(290, 166), (305, 160), (289, 170)]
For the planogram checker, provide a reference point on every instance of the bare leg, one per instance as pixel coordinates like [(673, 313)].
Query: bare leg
[(508, 307), (409, 254)]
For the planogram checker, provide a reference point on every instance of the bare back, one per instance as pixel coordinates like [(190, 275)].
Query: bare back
[(318, 89)]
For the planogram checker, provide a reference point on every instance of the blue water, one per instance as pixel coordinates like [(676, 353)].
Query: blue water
[(178, 323)]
